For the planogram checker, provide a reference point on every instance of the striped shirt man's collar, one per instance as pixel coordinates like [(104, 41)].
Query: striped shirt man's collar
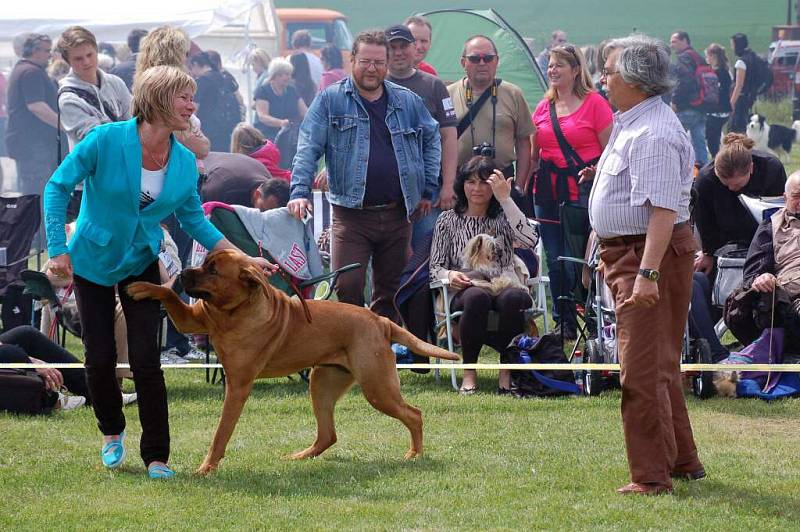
[(628, 117)]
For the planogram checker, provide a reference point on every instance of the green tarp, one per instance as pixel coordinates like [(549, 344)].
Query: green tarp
[(451, 27)]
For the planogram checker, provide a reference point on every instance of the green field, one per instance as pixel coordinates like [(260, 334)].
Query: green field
[(589, 21)]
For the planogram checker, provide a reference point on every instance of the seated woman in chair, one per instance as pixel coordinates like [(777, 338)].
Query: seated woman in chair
[(483, 206)]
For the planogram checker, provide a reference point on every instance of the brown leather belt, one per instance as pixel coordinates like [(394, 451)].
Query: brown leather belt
[(382, 207), (632, 239)]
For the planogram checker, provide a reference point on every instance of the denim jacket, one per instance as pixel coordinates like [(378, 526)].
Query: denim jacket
[(337, 126)]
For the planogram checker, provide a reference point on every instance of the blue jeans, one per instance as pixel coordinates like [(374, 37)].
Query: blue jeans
[(694, 122), (423, 227), (554, 248), (701, 323)]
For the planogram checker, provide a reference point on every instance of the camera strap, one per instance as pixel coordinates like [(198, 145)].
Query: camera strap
[(574, 162), (474, 109)]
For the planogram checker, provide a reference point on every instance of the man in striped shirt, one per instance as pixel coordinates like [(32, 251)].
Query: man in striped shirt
[(639, 207)]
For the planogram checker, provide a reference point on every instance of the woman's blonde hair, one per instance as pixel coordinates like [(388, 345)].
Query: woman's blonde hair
[(278, 66), (246, 139), (574, 58), (259, 57), (735, 156), (58, 69), (154, 91), (162, 46)]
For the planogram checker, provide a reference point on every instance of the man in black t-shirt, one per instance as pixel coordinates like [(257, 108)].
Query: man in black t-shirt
[(437, 100), (31, 133)]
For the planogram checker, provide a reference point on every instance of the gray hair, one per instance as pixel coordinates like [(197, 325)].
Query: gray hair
[(278, 66), (643, 61)]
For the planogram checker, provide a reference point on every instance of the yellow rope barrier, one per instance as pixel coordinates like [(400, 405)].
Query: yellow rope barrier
[(780, 368)]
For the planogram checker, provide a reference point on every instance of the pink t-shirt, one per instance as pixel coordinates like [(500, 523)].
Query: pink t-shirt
[(581, 129)]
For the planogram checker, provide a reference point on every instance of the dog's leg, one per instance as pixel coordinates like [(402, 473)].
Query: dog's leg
[(187, 318), (384, 396), (236, 393), (327, 385)]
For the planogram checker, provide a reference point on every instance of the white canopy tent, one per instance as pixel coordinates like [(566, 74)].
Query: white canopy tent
[(231, 27)]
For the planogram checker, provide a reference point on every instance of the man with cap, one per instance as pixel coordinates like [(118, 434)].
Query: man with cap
[(437, 100)]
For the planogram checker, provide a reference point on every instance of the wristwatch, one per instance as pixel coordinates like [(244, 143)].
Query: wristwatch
[(652, 275)]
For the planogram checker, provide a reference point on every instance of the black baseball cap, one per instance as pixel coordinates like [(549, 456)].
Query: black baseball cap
[(398, 31)]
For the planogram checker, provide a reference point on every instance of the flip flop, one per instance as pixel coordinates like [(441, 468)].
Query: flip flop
[(160, 472), (468, 391), (113, 453)]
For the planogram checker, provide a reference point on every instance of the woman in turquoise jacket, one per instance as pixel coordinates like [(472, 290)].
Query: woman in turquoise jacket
[(135, 174)]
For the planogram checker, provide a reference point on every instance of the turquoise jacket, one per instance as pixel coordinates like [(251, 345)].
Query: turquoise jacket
[(113, 238)]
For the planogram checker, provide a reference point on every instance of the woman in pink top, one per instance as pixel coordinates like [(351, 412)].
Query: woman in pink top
[(331, 58), (585, 120)]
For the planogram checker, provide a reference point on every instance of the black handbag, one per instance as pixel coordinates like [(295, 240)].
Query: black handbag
[(23, 391)]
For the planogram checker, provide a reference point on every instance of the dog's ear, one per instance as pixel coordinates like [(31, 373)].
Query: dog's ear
[(253, 275)]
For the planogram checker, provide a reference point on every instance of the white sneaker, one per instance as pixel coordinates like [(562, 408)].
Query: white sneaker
[(128, 398), (195, 354), (69, 402), (171, 356)]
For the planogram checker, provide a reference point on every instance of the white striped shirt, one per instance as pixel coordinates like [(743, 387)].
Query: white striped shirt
[(648, 162)]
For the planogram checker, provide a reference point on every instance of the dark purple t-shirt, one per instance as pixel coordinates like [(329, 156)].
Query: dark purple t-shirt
[(383, 177)]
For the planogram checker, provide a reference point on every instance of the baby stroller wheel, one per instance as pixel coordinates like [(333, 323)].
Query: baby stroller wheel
[(703, 381), (592, 379)]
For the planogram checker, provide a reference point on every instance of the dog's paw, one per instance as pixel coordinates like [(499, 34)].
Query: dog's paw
[(205, 469), (412, 454), (142, 290)]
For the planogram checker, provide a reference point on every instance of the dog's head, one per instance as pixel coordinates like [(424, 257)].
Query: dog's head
[(479, 253), (757, 128), (225, 279), (725, 383)]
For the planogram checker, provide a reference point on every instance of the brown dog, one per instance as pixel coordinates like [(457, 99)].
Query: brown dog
[(258, 332)]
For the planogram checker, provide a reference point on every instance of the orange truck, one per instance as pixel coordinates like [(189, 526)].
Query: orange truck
[(325, 26)]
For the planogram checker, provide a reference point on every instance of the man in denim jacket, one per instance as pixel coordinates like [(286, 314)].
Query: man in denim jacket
[(382, 151)]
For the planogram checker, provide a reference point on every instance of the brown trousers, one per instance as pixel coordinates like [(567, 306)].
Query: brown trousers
[(658, 434), (381, 235)]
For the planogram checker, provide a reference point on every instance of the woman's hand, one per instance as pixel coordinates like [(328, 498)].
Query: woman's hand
[(265, 265), (52, 377), (501, 187), (321, 180), (587, 174), (458, 280), (61, 266), (764, 283)]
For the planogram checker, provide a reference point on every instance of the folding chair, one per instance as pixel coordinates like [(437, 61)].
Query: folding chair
[(444, 318), (575, 229), (20, 218)]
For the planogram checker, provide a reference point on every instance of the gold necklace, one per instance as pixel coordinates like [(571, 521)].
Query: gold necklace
[(160, 166)]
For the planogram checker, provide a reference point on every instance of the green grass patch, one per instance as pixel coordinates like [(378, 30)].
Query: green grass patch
[(490, 463)]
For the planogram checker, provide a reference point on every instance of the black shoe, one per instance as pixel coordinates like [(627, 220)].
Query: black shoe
[(416, 359)]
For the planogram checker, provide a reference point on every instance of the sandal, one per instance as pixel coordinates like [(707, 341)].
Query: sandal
[(503, 391), (113, 453), (160, 472), (468, 391)]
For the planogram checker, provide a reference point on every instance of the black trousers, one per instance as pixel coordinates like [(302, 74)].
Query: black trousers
[(24, 341), (741, 113), (96, 307), (476, 303)]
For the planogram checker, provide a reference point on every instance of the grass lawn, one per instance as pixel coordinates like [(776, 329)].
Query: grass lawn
[(491, 463)]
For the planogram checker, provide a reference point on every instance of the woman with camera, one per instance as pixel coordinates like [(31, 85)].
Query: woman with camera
[(483, 206), (573, 125)]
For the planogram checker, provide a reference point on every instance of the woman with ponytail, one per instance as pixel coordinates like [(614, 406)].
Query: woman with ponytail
[(722, 219)]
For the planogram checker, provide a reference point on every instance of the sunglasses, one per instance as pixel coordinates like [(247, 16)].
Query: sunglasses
[(476, 59)]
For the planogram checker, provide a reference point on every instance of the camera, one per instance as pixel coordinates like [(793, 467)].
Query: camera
[(484, 150)]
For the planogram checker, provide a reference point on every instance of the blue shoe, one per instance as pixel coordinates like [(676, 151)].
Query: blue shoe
[(160, 471), (113, 452)]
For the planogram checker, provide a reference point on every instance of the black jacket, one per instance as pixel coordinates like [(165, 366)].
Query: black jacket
[(761, 255), (719, 215)]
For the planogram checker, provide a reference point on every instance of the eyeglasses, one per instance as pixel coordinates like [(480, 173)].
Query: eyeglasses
[(374, 63), (477, 58), (606, 72)]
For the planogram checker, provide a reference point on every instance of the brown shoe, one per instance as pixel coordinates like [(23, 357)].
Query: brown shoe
[(637, 488), (697, 474)]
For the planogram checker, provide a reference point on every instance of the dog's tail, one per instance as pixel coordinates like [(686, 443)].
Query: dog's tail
[(402, 336)]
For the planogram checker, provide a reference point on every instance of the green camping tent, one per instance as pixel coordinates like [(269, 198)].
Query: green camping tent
[(451, 27)]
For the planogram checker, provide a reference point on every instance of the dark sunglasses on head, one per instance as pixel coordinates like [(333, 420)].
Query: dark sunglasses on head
[(476, 59)]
